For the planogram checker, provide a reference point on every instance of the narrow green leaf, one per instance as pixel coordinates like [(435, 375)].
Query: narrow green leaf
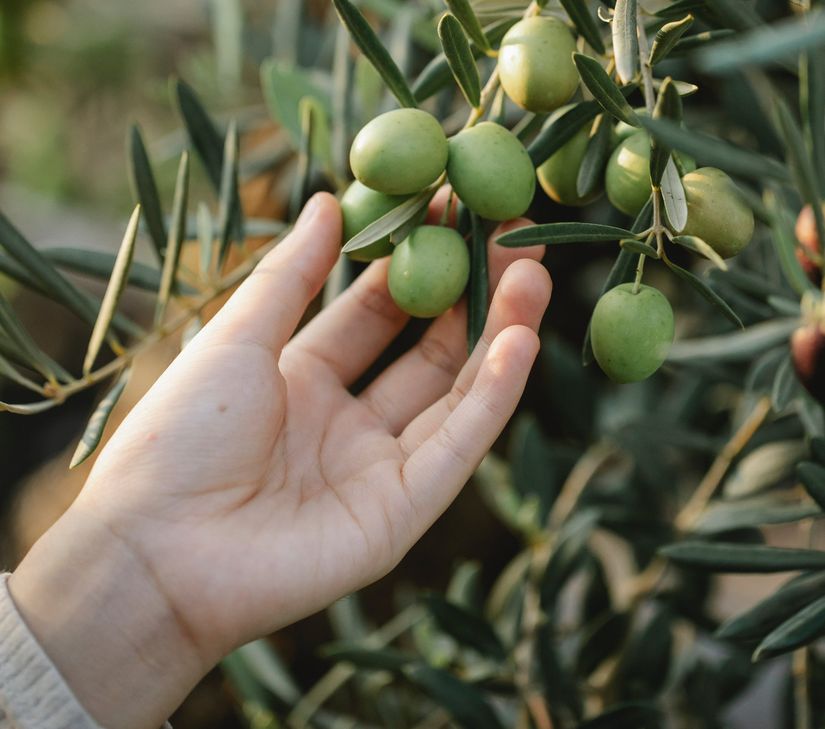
[(556, 133), (700, 146), (301, 180), (269, 669), (785, 386), (812, 476), (667, 37), (176, 236), (697, 245), (764, 44), (460, 58), (8, 370), (114, 289), (626, 40), (206, 238), (464, 702), (479, 284), (373, 659), (700, 40), (585, 23), (803, 628), (90, 439), (204, 136), (707, 293), (632, 245), (392, 221), (596, 155), (604, 90), (465, 626), (742, 558), (561, 233), (668, 106), (145, 190), (737, 346), (751, 512), (229, 201), (630, 715), (571, 542), (366, 39), (465, 15), (774, 610), (784, 243), (674, 197)]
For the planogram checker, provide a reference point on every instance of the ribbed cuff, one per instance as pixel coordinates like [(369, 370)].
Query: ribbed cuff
[(33, 694)]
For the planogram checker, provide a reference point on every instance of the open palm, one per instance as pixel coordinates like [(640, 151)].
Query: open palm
[(257, 489)]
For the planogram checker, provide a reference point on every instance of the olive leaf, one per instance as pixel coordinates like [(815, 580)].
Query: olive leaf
[(389, 223), (784, 243), (561, 233), (701, 146), (465, 626), (8, 370), (465, 15), (801, 629), (206, 238), (632, 245), (229, 203), (668, 106), (679, 7), (604, 90), (176, 236), (94, 429), (700, 40), (751, 512), (114, 289), (145, 189), (742, 558), (697, 245), (301, 180), (812, 476), (479, 283), (460, 58), (626, 40), (596, 154), (557, 132), (785, 385), (203, 135), (585, 23), (373, 659), (707, 293), (366, 39), (666, 38)]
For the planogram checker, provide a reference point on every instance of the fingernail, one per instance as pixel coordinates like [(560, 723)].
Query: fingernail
[(309, 211)]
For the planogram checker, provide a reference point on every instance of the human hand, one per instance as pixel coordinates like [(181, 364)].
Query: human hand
[(249, 488)]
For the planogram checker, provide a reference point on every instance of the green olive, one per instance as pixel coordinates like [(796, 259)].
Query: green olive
[(400, 152), (361, 206), (717, 213), (631, 333), (627, 179), (491, 171), (535, 64), (623, 130), (558, 175), (428, 271)]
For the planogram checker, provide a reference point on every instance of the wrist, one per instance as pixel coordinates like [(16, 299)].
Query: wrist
[(96, 610)]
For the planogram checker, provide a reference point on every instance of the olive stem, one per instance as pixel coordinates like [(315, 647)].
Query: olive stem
[(640, 269)]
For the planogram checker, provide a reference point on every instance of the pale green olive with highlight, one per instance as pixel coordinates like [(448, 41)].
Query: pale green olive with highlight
[(400, 152), (491, 172), (717, 213), (428, 271), (631, 333), (627, 178), (535, 64), (361, 206)]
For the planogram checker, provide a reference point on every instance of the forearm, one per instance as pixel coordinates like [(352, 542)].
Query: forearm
[(94, 609)]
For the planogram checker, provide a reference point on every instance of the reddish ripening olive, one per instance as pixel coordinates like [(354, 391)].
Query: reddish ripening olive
[(491, 172), (361, 206), (559, 174), (535, 64), (400, 152), (428, 271), (631, 333), (809, 242), (808, 355), (717, 213)]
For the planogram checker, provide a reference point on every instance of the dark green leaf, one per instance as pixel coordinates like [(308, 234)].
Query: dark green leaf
[(94, 430), (625, 40), (556, 133), (585, 23), (560, 685), (560, 233), (465, 703), (707, 293), (812, 476), (466, 627), (600, 641), (774, 610), (176, 236), (465, 15), (636, 246), (668, 106), (803, 628), (784, 243), (700, 40), (784, 386), (818, 449), (460, 58), (390, 222), (667, 37), (229, 203), (8, 370), (721, 557), (479, 284), (301, 178), (759, 511), (373, 659), (569, 547), (630, 715), (596, 154), (114, 289), (604, 90), (678, 7), (370, 45), (203, 135), (145, 189)]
